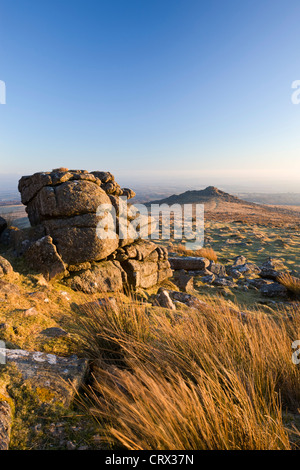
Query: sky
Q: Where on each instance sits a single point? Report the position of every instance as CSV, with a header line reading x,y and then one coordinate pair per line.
x,y
152,90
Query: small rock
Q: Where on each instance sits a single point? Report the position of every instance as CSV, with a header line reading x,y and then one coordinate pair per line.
x,y
189,263
274,290
208,279
53,332
224,282
272,268
239,261
31,312
217,268
185,282
163,299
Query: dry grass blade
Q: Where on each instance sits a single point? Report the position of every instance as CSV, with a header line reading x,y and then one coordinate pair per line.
x,y
203,379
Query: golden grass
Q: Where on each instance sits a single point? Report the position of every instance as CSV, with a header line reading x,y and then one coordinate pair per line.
x,y
290,282
209,379
208,253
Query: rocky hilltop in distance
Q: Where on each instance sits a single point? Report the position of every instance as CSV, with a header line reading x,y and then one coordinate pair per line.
x,y
201,196
223,207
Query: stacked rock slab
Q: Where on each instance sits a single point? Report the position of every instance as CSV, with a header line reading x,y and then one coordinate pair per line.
x,y
62,209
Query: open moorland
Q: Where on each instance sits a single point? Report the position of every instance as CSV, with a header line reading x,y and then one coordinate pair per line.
x,y
124,352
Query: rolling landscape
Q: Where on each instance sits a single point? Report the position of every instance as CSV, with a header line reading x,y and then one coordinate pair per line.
x,y
245,279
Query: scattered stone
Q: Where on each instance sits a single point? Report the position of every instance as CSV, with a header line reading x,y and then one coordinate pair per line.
x,y
146,264
217,268
31,312
274,289
249,268
163,299
185,282
187,299
272,268
239,261
107,302
208,279
189,263
65,295
234,272
224,282
257,283
53,332
39,297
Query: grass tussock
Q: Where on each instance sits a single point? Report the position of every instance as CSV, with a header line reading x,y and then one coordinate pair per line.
x,y
291,283
208,253
207,379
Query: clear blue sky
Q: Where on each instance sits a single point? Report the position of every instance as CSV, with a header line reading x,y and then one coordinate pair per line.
x,y
173,89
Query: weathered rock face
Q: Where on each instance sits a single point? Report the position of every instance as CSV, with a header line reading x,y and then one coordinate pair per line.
x,y
65,204
43,253
55,379
62,207
145,263
107,276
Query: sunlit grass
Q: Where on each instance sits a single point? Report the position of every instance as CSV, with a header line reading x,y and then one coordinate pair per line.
x,y
199,379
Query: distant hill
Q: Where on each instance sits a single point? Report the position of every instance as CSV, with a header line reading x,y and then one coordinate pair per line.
x,y
202,196
224,207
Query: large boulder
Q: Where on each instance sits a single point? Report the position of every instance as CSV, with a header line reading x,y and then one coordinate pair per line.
x,y
88,228
77,240
65,202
